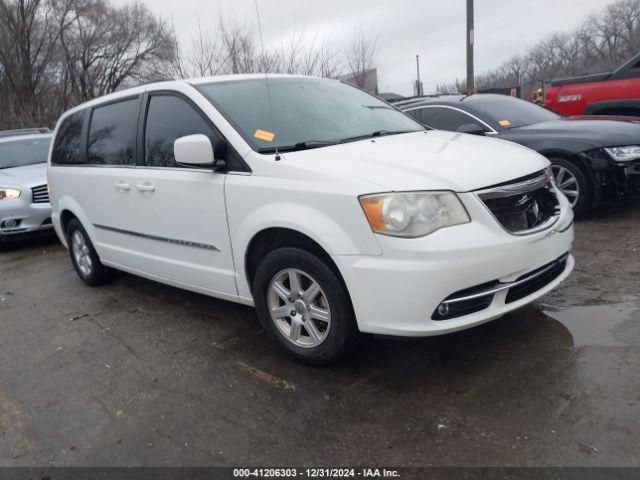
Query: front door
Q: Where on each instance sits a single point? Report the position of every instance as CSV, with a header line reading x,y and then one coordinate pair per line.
x,y
184,231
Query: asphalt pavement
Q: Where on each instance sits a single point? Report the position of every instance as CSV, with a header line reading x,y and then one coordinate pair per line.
x,y
137,373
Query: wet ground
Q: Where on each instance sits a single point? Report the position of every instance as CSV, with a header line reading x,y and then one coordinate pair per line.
x,y
136,373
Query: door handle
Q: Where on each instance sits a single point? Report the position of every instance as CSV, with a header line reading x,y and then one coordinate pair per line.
x,y
146,187
123,186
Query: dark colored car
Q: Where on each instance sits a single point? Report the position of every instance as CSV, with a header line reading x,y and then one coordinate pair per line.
x,y
592,160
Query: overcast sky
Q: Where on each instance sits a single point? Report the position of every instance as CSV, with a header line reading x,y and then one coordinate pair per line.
x,y
435,29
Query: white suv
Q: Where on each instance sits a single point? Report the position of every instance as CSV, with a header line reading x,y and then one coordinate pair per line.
x,y
24,195
329,210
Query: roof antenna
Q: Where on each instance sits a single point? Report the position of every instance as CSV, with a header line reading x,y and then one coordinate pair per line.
x,y
266,77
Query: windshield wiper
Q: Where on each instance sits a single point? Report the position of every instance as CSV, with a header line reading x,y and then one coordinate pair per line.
x,y
378,107
306,145
377,133
309,144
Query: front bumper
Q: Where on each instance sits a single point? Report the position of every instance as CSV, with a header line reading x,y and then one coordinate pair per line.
x,y
29,218
398,292
611,179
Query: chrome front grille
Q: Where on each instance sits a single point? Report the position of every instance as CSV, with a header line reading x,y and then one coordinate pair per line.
x,y
40,194
526,205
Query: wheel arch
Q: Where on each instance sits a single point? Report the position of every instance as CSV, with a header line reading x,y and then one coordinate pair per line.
x,y
576,159
594,195
269,239
66,216
624,107
68,208
302,224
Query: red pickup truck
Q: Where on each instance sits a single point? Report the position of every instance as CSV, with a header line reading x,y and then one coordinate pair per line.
x,y
613,93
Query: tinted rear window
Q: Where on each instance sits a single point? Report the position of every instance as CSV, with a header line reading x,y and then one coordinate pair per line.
x,y
19,153
66,150
112,133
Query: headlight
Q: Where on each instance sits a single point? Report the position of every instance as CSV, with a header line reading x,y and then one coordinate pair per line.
x,y
413,214
624,154
9,193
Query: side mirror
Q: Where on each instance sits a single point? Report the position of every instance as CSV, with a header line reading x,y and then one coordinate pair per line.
x,y
194,151
471,128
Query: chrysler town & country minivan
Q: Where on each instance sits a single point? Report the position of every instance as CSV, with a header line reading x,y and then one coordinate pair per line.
x,y
328,209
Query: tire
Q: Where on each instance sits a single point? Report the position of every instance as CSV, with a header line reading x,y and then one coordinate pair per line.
x,y
313,339
572,181
84,257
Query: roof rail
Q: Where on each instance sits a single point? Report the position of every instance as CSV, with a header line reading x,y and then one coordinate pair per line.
x,y
24,131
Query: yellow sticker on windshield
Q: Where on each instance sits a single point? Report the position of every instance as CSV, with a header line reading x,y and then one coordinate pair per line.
x,y
264,135
504,123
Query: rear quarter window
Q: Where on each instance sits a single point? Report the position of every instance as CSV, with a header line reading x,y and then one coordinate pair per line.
x,y
66,148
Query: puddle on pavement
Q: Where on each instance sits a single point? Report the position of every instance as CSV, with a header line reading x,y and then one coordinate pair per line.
x,y
594,324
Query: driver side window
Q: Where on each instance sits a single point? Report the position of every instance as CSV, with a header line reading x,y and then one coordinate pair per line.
x,y
169,118
448,119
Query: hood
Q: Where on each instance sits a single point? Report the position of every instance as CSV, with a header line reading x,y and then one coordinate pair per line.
x,y
27,176
432,160
575,135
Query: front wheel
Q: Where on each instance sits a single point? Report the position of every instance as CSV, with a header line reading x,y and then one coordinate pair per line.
x,y
574,184
304,305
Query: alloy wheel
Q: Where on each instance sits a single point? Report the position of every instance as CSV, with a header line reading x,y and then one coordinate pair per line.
x,y
567,183
81,253
299,308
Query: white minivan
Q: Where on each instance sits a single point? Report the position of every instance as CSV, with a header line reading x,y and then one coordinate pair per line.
x,y
329,210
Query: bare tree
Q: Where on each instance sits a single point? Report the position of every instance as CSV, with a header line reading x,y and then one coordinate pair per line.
x,y
109,47
602,42
57,53
206,55
307,55
231,48
203,57
28,41
360,56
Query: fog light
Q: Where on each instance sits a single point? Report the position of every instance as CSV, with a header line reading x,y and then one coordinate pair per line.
x,y
10,224
443,309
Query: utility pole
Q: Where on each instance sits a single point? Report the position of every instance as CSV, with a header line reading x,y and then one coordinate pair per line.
x,y
418,87
470,42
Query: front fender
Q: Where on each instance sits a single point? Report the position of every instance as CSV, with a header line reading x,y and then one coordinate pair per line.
x,y
338,230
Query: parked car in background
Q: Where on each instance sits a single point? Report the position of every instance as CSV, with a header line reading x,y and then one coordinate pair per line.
x,y
592,160
329,210
612,93
24,195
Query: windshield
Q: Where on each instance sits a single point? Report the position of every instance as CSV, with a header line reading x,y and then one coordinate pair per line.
x,y
508,112
18,153
306,112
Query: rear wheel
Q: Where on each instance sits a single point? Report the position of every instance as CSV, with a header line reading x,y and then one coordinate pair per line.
x,y
84,258
304,305
574,184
